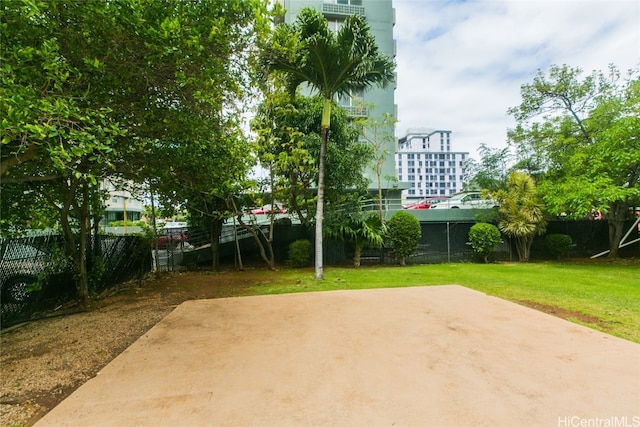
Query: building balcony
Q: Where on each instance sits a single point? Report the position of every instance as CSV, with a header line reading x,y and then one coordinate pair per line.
x,y
356,111
333,10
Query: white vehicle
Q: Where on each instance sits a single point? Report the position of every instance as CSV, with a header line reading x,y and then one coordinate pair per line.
x,y
470,200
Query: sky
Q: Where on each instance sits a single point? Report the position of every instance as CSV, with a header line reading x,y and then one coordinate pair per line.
x,y
461,64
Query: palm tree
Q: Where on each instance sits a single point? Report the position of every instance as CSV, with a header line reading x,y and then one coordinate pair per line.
x,y
361,232
521,212
332,64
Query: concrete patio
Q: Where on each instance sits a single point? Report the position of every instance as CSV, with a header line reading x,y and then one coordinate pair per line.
x,y
424,356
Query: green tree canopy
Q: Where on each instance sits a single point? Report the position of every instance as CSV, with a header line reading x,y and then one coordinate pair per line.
x,y
289,144
130,88
583,135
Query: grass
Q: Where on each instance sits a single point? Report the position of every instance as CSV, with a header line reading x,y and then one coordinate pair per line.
x,y
602,296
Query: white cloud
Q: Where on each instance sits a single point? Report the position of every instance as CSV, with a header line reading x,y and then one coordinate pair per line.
x,y
461,63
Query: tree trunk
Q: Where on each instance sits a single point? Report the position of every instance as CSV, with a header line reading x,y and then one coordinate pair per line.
x,y
380,196
616,219
237,243
523,246
81,261
216,231
356,256
320,203
269,259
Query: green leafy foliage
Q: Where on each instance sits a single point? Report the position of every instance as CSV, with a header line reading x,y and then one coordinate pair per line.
x,y
301,253
404,233
144,90
580,134
484,238
361,231
492,171
522,214
288,144
558,245
307,51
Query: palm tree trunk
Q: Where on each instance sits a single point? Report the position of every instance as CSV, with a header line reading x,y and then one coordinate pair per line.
x,y
324,134
320,203
357,255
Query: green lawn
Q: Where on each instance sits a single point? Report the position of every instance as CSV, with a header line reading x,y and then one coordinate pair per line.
x,y
605,296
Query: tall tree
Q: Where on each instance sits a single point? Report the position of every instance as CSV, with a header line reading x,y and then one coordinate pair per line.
x,y
92,89
522,214
378,132
583,134
288,144
333,64
492,171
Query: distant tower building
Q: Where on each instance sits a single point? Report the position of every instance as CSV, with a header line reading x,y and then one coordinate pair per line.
x,y
427,164
380,15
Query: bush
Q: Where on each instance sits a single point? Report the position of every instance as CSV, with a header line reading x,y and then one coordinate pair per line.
x,y
483,238
404,232
558,245
300,253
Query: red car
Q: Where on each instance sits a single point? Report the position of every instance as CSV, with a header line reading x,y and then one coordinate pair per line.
x,y
422,204
171,239
276,208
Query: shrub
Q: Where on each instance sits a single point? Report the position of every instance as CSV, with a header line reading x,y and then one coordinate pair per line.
x,y
300,253
483,238
558,244
404,232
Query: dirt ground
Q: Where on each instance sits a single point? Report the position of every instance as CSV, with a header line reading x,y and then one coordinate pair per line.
x,y
44,361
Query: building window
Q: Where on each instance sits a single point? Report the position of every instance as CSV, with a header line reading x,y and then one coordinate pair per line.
x,y
354,98
334,26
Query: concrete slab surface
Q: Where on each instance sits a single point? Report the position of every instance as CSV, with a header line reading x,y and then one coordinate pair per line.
x,y
425,356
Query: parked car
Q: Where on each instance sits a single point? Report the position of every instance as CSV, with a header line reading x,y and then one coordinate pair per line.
x,y
275,208
29,274
467,200
172,237
422,204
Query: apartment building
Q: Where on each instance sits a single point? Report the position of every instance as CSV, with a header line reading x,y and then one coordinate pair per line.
x,y
428,166
375,102
120,204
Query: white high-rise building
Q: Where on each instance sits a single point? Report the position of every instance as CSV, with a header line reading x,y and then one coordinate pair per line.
x,y
427,165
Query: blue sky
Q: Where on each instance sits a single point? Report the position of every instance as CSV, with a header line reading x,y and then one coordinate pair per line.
x,y
460,64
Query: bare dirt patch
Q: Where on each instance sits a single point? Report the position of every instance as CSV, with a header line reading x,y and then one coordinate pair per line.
x,y
566,314
44,361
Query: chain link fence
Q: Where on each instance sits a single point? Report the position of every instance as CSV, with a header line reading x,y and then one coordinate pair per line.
x,y
35,275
